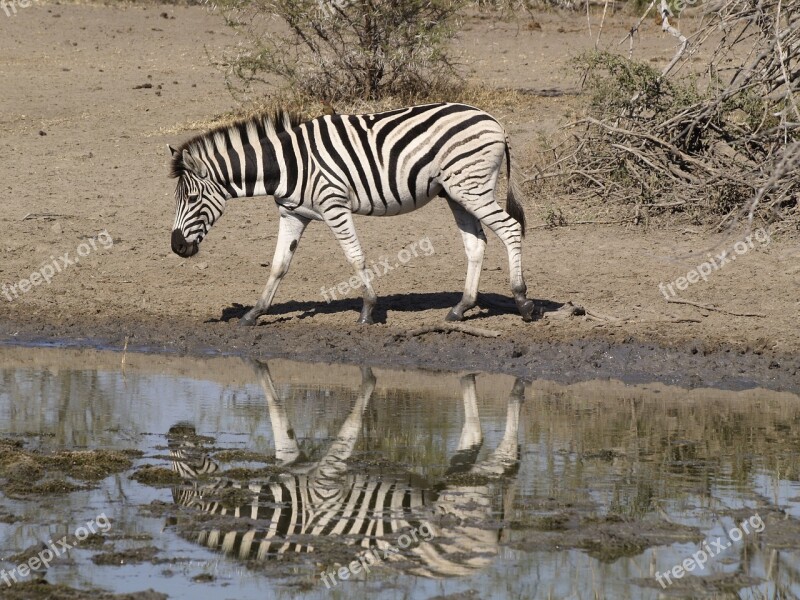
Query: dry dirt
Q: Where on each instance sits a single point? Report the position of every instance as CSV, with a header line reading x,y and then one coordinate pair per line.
x,y
83,150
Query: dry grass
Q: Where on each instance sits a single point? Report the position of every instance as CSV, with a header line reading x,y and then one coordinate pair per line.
x,y
481,96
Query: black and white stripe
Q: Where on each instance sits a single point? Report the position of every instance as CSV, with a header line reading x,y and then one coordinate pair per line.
x,y
292,510
189,458
332,167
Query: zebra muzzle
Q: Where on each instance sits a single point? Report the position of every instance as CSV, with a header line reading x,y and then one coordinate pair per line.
x,y
181,247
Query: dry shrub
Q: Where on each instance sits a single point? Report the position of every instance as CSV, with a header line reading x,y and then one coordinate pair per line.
x,y
342,50
720,144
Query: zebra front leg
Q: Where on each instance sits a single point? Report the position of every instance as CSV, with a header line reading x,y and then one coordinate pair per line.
x,y
474,245
334,463
287,451
340,219
290,230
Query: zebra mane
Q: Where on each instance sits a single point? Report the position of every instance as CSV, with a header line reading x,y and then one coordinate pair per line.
x,y
263,123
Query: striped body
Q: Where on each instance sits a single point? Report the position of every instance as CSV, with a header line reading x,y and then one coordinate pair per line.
x,y
294,508
332,167
381,164
312,504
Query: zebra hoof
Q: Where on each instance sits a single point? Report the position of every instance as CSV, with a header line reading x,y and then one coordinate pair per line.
x,y
528,311
365,320
248,320
453,316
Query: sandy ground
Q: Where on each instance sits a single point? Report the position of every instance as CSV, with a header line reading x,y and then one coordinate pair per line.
x,y
83,151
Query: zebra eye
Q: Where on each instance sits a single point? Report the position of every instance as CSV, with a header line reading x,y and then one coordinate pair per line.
x,y
193,198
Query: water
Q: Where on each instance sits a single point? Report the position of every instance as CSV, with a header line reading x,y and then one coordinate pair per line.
x,y
578,491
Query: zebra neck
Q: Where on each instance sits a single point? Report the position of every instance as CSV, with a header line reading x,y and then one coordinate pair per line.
x,y
260,174
269,173
250,170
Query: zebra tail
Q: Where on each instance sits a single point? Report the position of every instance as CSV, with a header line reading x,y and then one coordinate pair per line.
x,y
513,206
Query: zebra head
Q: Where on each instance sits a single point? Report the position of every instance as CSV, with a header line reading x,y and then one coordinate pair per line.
x,y
199,202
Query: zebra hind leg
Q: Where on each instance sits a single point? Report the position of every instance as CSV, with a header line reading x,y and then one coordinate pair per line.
x,y
505,458
509,230
474,245
471,440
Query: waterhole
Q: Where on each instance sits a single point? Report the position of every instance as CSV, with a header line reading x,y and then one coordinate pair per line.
x,y
226,478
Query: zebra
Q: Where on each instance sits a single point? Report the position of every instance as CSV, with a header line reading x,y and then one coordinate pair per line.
x,y
305,502
332,167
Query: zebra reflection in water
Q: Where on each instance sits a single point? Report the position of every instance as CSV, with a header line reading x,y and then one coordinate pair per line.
x,y
310,505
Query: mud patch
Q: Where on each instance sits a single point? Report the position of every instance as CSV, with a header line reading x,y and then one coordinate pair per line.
x,y
41,590
156,476
606,539
33,472
131,556
226,456
695,586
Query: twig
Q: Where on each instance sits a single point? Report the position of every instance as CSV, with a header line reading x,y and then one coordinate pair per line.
x,y
712,307
602,22
588,20
674,320
571,223
459,327
654,139
548,175
786,80
565,311
628,220
605,318
31,216
124,354
635,29
665,204
666,13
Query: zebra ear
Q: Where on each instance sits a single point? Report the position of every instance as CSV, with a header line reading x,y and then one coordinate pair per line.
x,y
194,165
174,153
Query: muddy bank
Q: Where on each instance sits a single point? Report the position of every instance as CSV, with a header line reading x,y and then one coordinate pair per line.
x,y
35,590
529,352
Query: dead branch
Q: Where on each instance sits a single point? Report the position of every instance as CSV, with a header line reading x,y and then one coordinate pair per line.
x,y
459,327
44,216
729,145
635,29
672,320
565,311
712,307
683,42
602,22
